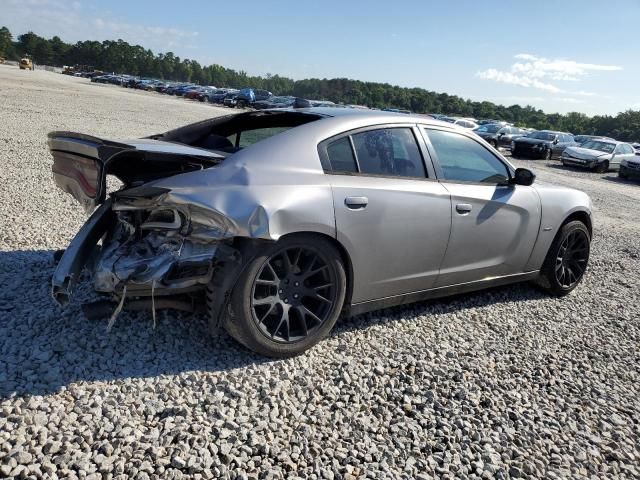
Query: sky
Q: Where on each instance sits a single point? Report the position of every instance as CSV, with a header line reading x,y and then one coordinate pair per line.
x,y
559,56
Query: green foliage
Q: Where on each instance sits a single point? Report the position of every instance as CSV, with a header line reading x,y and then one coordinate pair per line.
x,y
121,57
6,43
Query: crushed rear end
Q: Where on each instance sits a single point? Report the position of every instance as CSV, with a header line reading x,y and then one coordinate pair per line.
x,y
137,244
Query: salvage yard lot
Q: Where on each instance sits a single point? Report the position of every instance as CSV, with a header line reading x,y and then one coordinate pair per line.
x,y
507,381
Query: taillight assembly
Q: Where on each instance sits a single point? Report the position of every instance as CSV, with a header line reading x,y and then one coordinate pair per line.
x,y
85,171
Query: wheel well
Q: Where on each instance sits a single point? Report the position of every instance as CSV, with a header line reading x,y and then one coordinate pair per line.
x,y
346,261
582,217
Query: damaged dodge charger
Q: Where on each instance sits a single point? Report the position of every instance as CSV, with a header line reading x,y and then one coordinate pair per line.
x,y
277,222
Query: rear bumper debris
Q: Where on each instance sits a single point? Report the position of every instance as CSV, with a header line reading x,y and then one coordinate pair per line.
x,y
79,251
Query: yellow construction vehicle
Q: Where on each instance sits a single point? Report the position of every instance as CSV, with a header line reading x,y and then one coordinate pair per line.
x,y
26,63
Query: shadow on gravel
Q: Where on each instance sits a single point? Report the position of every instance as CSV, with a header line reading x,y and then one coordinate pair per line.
x,y
559,166
520,292
44,347
624,181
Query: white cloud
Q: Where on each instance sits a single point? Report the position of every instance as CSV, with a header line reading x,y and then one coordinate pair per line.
x,y
514,79
536,72
72,22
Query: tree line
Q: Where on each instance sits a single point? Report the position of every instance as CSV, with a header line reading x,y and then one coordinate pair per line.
x,y
119,56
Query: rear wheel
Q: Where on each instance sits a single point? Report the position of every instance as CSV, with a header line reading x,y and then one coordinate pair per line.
x,y
289,297
566,260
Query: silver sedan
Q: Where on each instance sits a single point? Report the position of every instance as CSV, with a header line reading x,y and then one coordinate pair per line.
x,y
599,155
278,222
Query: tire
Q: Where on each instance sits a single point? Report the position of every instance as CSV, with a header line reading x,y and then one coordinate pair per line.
x,y
267,288
622,175
571,246
602,167
494,144
547,154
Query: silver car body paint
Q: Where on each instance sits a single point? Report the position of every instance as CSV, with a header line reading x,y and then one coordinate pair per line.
x,y
410,238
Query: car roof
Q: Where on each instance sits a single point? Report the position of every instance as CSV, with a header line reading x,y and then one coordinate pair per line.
x,y
555,132
376,116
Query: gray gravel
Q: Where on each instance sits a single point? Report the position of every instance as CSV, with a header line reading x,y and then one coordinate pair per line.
x,y
505,383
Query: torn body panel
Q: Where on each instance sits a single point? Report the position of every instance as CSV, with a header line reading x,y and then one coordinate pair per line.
x,y
77,254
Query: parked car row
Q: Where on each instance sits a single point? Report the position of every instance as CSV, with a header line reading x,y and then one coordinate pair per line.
x,y
228,97
597,153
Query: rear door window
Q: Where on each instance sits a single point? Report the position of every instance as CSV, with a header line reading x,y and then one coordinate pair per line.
x,y
390,152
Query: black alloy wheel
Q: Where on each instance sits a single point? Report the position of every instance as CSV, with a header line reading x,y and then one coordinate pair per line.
x,y
566,260
572,258
293,294
288,297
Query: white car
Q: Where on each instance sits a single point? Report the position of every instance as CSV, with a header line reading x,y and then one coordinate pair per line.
x,y
464,123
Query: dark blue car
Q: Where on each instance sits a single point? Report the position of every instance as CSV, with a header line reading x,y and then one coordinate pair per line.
x,y
247,96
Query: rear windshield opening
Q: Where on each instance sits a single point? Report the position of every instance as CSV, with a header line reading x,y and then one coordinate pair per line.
x,y
230,134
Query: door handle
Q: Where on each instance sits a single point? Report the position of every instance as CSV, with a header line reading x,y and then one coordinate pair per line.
x,y
464,208
356,203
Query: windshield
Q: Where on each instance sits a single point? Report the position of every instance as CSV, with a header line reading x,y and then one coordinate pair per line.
x,y
542,136
605,147
488,128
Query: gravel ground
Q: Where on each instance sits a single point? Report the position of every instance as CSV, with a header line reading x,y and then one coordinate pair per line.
x,y
504,383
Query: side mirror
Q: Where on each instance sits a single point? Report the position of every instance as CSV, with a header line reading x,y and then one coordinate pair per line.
x,y
523,176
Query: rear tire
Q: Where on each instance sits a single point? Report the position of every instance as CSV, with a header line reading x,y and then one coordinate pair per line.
x,y
288,298
567,259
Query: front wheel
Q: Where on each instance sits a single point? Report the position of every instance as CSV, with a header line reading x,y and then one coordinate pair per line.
x,y
602,167
566,260
288,298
